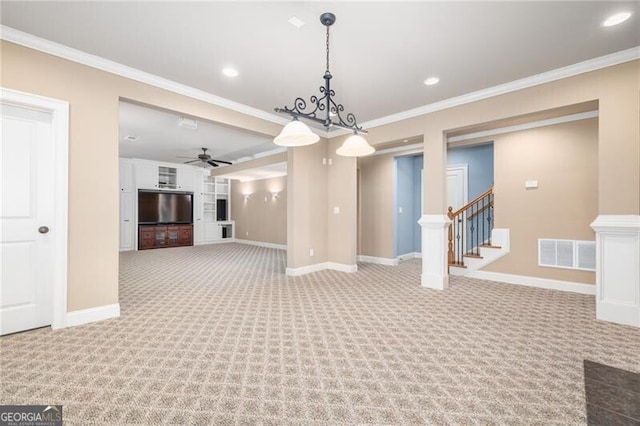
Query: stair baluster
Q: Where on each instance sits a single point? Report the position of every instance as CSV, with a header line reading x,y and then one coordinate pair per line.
x,y
473,216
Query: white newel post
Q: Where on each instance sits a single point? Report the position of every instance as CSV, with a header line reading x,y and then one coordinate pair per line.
x,y
434,250
618,268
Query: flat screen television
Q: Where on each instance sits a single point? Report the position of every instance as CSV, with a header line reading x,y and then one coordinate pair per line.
x,y
164,207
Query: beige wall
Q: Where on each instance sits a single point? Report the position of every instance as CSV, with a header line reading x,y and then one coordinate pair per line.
x,y
376,206
616,90
342,192
93,98
307,205
261,217
564,160
258,162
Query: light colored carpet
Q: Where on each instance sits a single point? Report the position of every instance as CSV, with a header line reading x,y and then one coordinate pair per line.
x,y
219,335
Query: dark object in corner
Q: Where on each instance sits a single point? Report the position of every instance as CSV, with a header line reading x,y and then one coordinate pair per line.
x,y
221,210
612,395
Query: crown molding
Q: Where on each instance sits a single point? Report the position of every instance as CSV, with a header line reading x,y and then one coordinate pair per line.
x,y
28,40
405,149
535,80
525,126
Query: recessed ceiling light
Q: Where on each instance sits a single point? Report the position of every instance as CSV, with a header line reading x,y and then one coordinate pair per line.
x,y
296,22
431,81
616,19
230,72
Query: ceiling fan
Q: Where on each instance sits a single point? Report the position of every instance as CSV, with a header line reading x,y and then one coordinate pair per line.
x,y
206,159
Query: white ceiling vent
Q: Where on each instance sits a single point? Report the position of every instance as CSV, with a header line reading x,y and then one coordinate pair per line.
x,y
569,254
296,22
188,123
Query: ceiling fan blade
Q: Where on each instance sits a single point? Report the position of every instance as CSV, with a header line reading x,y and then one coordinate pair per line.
x,y
182,156
211,163
222,162
192,161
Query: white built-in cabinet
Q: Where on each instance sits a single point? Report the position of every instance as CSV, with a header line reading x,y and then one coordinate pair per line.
x,y
215,229
198,222
160,176
136,174
146,176
186,179
126,176
126,205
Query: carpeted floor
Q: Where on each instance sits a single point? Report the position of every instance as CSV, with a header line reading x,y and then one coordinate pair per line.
x,y
219,335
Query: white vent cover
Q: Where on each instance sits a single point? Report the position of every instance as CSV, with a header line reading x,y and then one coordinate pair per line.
x,y
568,254
188,123
586,255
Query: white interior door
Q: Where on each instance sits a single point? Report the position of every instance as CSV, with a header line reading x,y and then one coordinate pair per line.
x,y
26,213
457,183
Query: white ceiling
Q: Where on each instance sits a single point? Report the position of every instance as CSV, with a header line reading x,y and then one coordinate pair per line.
x,y
381,52
160,138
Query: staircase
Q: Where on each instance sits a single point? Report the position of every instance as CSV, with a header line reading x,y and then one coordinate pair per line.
x,y
473,242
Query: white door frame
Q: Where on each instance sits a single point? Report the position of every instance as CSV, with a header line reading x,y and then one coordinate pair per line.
x,y
60,126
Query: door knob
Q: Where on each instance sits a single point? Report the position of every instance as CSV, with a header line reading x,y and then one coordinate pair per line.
x,y
43,229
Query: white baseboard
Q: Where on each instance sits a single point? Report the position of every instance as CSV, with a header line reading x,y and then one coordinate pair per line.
x,y
294,272
378,260
389,262
220,241
99,313
342,267
408,256
534,282
261,244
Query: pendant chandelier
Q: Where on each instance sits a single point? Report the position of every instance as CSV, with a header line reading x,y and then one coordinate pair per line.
x,y
324,110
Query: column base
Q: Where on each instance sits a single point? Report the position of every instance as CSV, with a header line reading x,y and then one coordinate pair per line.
x,y
618,268
434,253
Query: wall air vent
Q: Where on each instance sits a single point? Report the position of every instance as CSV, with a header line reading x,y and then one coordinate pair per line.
x,y
568,254
586,255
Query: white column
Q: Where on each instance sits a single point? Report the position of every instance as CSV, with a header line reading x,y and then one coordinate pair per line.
x,y
618,268
434,250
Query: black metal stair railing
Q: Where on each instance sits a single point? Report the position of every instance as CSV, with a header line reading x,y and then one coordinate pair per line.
x,y
470,228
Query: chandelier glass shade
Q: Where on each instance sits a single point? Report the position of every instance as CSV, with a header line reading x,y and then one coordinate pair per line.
x,y
323,110
296,133
355,146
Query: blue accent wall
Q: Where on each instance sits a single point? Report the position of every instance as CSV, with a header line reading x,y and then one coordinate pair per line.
x,y
479,160
418,163
408,235
404,236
